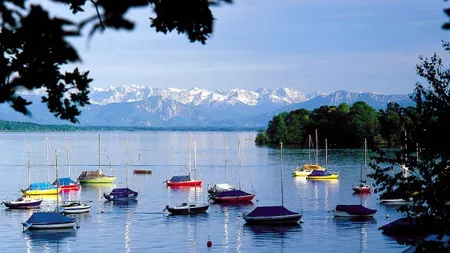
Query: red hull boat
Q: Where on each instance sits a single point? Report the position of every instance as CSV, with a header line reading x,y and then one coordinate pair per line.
x,y
234,199
191,183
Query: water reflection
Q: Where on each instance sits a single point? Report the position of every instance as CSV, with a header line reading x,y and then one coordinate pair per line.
x,y
127,231
49,240
264,231
98,189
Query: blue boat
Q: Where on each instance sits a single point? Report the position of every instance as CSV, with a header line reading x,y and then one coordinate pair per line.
x,y
41,188
67,184
120,194
273,215
358,211
49,220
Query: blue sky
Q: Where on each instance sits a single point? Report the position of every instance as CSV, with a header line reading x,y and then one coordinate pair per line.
x,y
326,45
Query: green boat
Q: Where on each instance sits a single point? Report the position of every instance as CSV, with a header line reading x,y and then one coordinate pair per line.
x,y
96,176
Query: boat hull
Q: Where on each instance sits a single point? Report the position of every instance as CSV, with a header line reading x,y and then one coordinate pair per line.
x,y
362,190
68,188
345,214
273,220
29,205
100,180
32,226
114,198
40,192
187,210
394,201
304,173
77,210
331,177
234,199
192,183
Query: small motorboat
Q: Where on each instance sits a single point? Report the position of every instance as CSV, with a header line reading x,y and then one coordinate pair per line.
x,y
395,197
357,211
140,172
272,215
23,203
49,220
121,194
75,207
67,184
185,208
323,175
225,193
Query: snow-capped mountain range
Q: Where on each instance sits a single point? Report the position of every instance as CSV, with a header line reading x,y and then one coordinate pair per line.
x,y
195,96
140,105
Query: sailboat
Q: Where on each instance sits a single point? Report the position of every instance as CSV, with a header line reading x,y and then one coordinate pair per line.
x,y
273,215
122,194
362,186
41,188
190,208
184,180
225,193
307,169
66,184
323,174
97,176
50,220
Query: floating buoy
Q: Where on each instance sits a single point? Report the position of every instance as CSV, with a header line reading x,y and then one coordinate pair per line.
x,y
209,244
102,211
387,216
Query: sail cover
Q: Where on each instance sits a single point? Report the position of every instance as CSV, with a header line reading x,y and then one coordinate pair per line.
x,y
180,178
355,209
49,217
64,181
41,186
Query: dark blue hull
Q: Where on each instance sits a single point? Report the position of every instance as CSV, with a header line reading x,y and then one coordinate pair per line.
x,y
121,194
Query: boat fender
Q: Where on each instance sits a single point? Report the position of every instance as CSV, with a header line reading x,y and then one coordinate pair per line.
x,y
209,243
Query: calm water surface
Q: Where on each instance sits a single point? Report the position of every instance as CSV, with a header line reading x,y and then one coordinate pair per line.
x,y
143,227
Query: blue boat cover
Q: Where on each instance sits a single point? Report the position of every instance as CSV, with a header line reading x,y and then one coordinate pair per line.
x,y
320,173
64,181
122,192
49,217
41,186
270,211
232,193
355,209
180,178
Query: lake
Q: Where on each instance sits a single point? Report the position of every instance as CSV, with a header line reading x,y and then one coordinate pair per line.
x,y
143,227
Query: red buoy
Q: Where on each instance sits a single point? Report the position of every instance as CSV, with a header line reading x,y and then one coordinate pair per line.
x,y
209,244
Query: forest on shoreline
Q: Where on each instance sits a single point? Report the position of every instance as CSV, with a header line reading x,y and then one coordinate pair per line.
x,y
343,126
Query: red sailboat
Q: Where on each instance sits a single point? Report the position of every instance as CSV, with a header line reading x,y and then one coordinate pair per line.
x,y
184,180
362,186
66,184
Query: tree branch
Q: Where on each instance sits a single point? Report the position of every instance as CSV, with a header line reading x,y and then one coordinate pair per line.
x,y
98,14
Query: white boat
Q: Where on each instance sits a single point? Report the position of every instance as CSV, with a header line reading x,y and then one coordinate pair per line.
x,y
75,207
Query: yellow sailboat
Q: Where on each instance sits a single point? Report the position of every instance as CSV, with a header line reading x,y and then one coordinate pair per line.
x,y
307,169
41,188
323,174
96,176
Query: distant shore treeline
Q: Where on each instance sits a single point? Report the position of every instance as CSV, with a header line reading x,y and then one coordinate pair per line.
x,y
344,126
11,126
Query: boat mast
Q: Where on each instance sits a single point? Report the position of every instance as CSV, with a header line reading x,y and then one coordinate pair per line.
x,y
226,159
317,148
309,148
326,154
281,163
417,152
128,157
365,159
99,153
68,156
190,155
46,159
195,170
57,181
29,162
239,163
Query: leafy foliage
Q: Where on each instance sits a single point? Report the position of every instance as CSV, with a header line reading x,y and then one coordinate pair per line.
x,y
34,45
428,178
344,126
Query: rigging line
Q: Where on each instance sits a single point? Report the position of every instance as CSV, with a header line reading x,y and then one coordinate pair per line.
x,y
248,171
109,160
